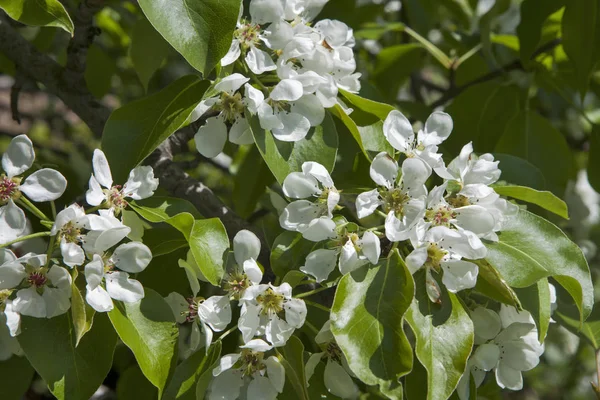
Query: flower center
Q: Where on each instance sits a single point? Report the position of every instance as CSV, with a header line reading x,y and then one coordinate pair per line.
x,y
231,106
4,295
9,188
235,284
459,201
271,302
434,256
115,198
248,35
327,45
192,312
279,105
440,216
251,361
70,232
334,352
37,278
395,200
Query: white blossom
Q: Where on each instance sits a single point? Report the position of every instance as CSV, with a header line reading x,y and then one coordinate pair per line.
x,y
43,185
248,375
311,218
68,226
105,230
141,184
270,311
109,279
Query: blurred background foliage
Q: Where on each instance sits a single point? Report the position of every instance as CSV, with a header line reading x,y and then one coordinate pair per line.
x,y
518,76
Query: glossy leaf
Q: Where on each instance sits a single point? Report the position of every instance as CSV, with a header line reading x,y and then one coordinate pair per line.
x,y
532,137
81,313
367,315
188,375
581,38
319,145
491,284
536,299
71,372
148,328
518,171
148,50
444,339
133,131
289,252
201,30
533,15
531,248
380,110
38,13
15,377
339,113
250,181
544,199
293,362
208,242
568,316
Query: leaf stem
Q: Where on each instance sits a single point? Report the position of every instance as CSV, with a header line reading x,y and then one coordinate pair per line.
x,y
311,292
23,238
227,332
29,205
317,305
50,249
433,49
53,206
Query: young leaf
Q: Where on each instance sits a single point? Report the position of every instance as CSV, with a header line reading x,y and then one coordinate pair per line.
x,y
133,131
367,315
38,13
320,145
338,112
148,328
81,313
293,362
546,200
208,242
15,377
201,30
444,342
188,375
491,284
581,38
71,372
148,50
380,110
531,248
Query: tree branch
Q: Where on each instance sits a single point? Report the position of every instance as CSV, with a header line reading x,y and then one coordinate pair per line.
x,y
514,65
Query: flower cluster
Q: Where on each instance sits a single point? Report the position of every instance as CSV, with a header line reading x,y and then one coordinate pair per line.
x,y
289,72
96,240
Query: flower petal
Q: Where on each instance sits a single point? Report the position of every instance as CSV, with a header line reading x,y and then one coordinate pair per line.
x,y
320,263
99,299
211,137
120,287
437,128
246,245
72,253
141,183
29,302
44,185
508,378
318,229
216,312
240,132
295,127
102,169
231,83
299,185
19,156
398,131
287,90
232,54
275,373
367,203
384,170
486,356
94,195
252,271
12,222
260,388
132,257
338,382
459,275
259,61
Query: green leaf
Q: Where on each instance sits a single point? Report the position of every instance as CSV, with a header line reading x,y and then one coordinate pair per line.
x,y
38,13
339,113
189,374
319,145
544,199
289,252
148,50
518,171
480,114
99,70
581,38
71,373
536,299
380,110
164,240
164,275
293,362
567,315
444,337
593,167
531,248
148,328
532,137
81,313
250,181
208,242
132,384
374,140
164,209
394,64
533,15
133,131
485,25
15,377
201,30
367,315
491,284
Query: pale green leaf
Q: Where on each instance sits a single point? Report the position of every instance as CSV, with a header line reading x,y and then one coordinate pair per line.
x,y
38,13
546,200
536,299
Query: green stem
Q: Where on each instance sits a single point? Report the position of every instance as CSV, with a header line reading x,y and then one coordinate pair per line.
x,y
317,305
227,332
93,209
23,238
376,228
430,47
311,292
50,249
466,56
29,205
53,206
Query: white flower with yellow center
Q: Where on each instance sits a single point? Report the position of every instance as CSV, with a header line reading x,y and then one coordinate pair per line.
x,y
270,311
141,184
